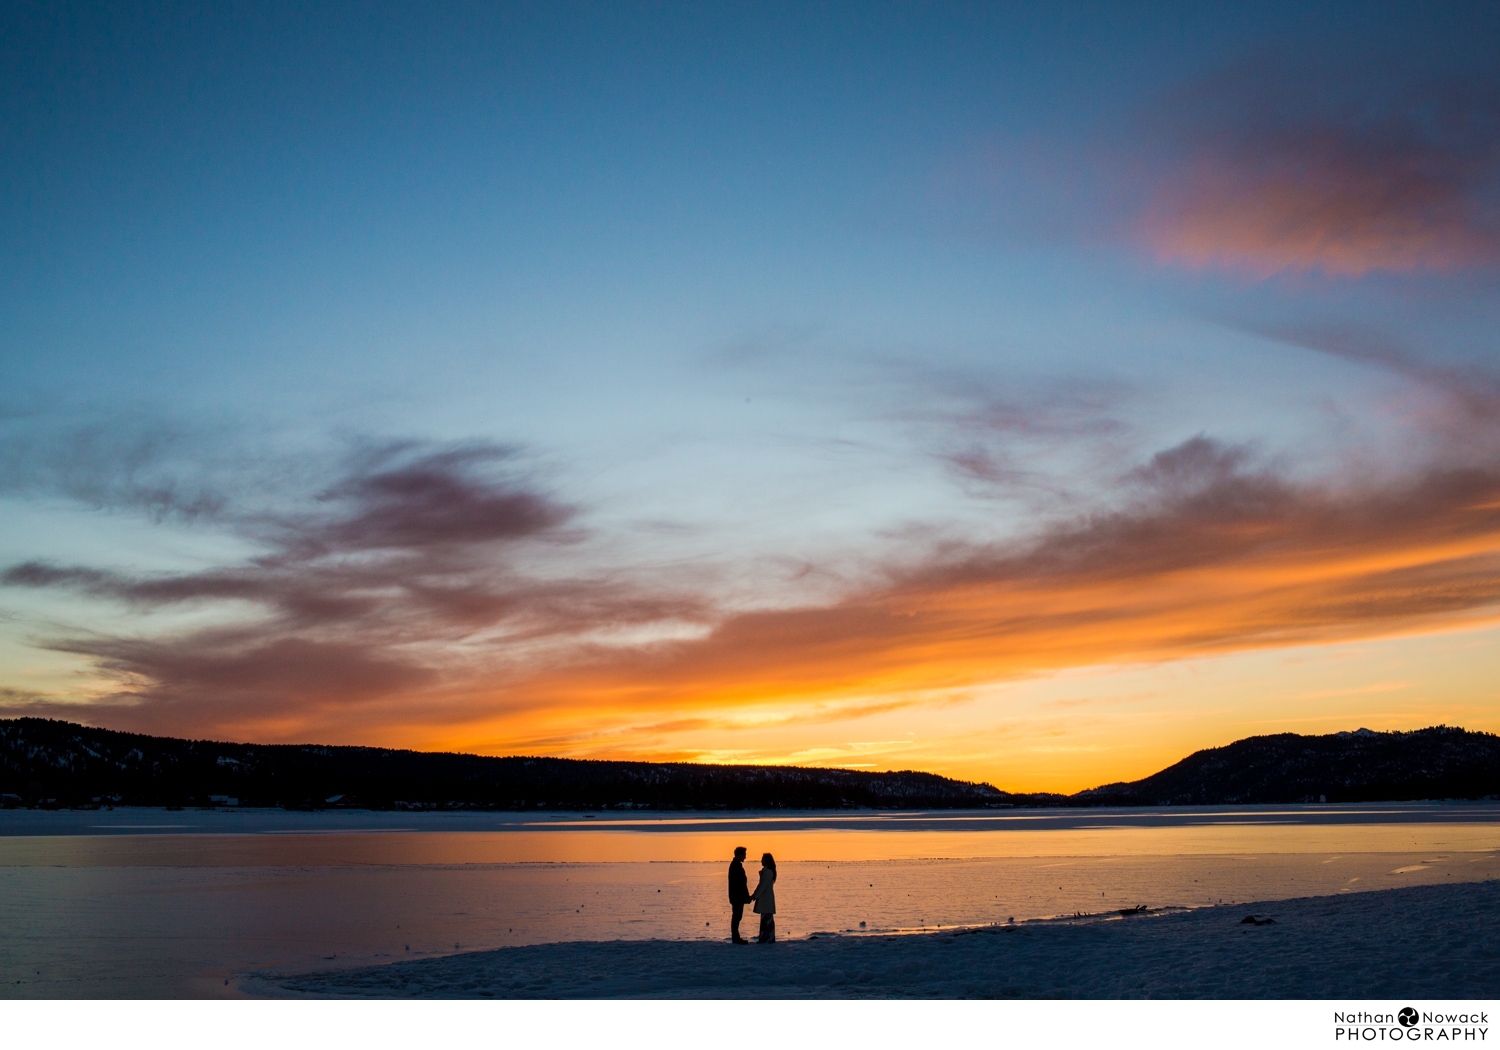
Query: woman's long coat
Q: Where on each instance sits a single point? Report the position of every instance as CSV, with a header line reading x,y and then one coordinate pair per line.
x,y
765,893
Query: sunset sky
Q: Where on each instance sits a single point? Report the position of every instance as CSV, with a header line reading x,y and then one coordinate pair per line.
x,y
1025,394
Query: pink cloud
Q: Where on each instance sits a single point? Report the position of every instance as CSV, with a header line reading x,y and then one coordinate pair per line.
x,y
1267,177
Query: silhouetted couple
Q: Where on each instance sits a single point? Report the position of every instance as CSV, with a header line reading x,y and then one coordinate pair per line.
x,y
764,897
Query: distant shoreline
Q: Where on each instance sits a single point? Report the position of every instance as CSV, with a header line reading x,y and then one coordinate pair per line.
x,y
1426,941
50,764
269,820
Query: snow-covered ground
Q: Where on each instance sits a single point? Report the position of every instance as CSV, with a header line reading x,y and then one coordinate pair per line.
x,y
1426,941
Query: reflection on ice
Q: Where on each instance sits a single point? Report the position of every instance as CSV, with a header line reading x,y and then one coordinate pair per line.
x,y
140,910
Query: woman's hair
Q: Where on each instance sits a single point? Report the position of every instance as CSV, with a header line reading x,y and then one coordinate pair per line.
x,y
768,861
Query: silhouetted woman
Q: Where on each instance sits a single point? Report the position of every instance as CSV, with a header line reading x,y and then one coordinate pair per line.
x,y
765,899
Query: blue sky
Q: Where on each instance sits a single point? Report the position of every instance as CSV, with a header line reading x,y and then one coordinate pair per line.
x,y
765,310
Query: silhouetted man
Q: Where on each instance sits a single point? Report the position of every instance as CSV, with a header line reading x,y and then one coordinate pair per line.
x,y
739,894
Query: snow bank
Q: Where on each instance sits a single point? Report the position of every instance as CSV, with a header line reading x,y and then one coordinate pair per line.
x,y
1425,942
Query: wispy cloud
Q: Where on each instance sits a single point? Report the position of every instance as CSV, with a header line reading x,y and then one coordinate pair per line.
x,y
402,604
1454,407
1213,556
126,461
403,574
1274,168
27,697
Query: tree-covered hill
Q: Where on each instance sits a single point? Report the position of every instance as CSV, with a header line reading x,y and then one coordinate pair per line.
x,y
1362,766
51,762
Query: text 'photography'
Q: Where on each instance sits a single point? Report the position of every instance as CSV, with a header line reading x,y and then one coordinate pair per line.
x,y
706,501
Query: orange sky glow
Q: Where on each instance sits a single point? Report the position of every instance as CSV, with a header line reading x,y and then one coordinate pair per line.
x,y
1037,425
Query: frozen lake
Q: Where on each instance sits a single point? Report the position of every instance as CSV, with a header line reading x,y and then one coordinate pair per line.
x,y
138,902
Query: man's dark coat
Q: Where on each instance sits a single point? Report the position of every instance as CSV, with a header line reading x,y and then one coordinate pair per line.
x,y
739,886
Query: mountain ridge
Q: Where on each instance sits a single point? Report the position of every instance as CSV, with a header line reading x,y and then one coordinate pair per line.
x,y
1359,766
44,762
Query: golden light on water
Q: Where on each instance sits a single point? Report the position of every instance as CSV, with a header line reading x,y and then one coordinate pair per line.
x,y
621,844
